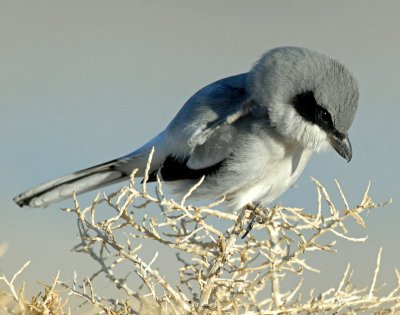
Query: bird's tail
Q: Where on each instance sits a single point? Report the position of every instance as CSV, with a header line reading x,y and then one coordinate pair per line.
x,y
94,177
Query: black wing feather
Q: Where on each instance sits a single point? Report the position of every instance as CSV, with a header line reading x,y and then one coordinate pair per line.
x,y
176,169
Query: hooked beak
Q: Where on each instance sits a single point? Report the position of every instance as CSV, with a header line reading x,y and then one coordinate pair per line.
x,y
342,146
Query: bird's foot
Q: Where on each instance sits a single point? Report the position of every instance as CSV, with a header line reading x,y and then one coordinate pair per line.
x,y
259,214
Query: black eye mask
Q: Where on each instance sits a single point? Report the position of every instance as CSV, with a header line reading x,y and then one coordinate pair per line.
x,y
308,108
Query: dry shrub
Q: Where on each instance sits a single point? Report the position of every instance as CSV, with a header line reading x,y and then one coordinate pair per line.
x,y
220,273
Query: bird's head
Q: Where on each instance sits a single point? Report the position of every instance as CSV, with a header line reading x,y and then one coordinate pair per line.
x,y
309,98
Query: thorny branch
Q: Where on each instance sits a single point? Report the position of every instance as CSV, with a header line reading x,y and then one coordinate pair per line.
x,y
219,272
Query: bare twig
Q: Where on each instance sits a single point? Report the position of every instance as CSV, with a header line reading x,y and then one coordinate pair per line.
x,y
219,272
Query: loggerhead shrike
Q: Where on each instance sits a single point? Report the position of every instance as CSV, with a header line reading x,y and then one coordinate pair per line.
x,y
251,134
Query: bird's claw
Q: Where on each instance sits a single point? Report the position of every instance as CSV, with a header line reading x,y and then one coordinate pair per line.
x,y
256,217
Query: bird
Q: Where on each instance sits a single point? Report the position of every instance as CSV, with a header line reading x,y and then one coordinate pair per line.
x,y
249,135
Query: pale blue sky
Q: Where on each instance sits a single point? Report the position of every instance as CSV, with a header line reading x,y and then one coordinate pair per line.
x,y
85,82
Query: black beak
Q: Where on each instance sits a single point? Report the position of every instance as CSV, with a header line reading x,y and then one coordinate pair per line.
x,y
342,146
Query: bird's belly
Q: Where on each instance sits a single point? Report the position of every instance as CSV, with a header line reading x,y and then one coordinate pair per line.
x,y
270,174
259,170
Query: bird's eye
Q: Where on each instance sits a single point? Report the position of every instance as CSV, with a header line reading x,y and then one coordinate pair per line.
x,y
308,108
323,117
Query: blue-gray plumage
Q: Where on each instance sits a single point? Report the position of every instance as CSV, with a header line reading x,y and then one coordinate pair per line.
x,y
251,135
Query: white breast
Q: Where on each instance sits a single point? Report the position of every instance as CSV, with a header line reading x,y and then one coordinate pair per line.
x,y
263,169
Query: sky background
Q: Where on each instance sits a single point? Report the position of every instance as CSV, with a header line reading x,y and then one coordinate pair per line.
x,y
85,82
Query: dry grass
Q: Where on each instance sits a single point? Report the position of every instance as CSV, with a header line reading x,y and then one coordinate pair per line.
x,y
220,273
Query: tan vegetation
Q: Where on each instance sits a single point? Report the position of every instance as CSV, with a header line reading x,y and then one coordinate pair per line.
x,y
220,273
